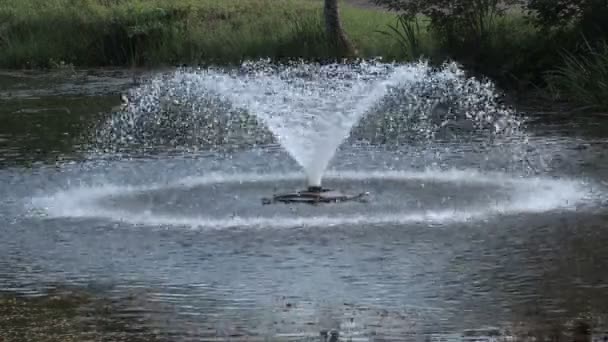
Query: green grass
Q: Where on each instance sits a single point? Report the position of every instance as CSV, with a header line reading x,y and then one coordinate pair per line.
x,y
583,78
94,33
155,32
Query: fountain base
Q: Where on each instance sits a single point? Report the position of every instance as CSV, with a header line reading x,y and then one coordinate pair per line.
x,y
315,195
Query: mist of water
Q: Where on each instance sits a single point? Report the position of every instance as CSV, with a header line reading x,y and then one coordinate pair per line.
x,y
309,109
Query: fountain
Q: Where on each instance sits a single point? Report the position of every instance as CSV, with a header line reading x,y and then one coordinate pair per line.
x,y
309,109
179,204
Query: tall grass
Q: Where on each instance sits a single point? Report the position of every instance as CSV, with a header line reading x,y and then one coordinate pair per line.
x,y
583,77
86,33
151,32
408,32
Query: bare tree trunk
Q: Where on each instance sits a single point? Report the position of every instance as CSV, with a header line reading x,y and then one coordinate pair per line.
x,y
337,37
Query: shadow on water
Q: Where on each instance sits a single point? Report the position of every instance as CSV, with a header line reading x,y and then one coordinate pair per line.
x,y
46,129
70,314
44,116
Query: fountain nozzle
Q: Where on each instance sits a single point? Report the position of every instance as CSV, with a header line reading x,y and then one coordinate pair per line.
x,y
315,188
315,194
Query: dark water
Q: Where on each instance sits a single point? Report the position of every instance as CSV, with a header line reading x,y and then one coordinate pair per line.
x,y
458,241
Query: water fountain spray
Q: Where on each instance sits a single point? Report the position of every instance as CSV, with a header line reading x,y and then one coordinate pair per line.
x,y
309,109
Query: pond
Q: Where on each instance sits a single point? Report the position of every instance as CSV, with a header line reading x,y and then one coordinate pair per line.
x,y
165,237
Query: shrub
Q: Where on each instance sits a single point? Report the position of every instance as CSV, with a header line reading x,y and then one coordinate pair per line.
x,y
458,22
407,32
583,78
587,17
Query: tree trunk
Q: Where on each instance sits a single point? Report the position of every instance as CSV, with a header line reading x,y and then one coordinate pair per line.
x,y
337,37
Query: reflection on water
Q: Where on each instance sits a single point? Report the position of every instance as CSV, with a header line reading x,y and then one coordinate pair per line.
x,y
533,276
79,315
70,315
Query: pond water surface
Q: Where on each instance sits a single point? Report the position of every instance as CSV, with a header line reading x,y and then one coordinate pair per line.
x,y
455,243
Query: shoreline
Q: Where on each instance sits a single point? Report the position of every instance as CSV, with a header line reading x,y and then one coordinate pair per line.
x,y
161,35
533,103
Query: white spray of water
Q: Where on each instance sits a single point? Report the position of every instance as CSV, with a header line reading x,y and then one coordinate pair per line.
x,y
310,108
310,116
529,195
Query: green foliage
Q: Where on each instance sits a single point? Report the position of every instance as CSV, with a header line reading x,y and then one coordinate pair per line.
x,y
566,21
587,16
407,32
309,37
154,32
513,52
456,21
362,27
583,78
490,37
513,45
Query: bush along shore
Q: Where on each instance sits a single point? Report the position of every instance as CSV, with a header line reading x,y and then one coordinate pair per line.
x,y
553,48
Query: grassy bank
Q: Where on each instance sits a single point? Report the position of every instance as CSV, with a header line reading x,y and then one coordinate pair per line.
x,y
92,33
154,32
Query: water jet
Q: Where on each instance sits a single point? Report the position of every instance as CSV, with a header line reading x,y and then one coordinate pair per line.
x,y
308,109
